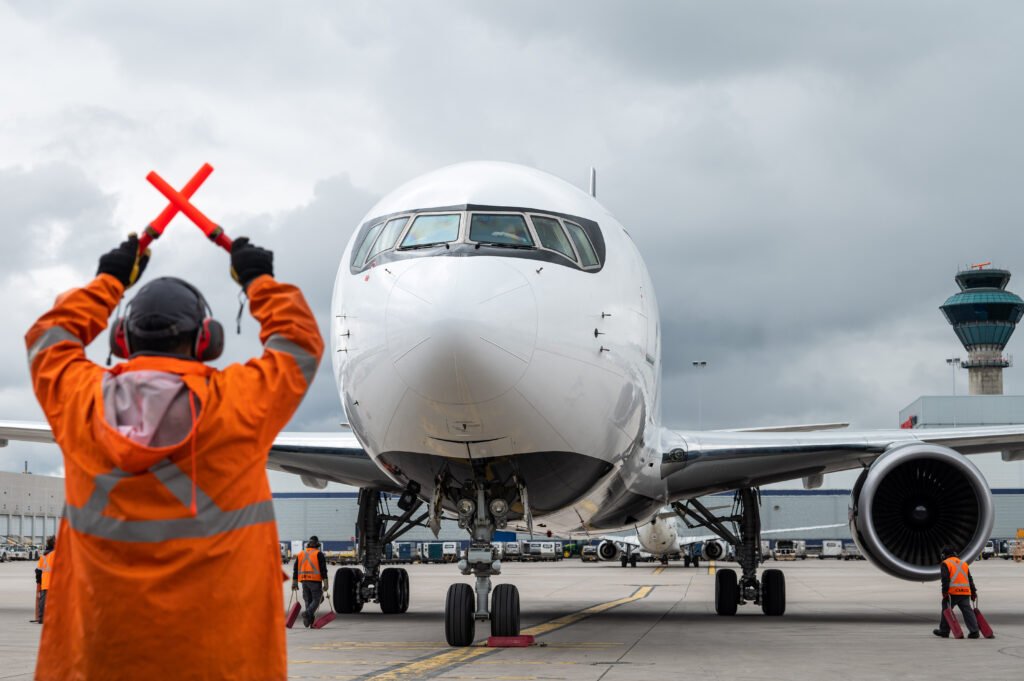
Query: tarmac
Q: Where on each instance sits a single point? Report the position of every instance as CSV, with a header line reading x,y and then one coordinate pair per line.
x,y
844,620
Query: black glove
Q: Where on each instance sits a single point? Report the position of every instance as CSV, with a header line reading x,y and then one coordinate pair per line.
x,y
125,262
249,262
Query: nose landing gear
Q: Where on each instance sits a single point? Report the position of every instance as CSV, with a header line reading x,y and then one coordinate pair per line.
x,y
731,591
481,511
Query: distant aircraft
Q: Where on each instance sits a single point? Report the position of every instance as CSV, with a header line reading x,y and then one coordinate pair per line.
x,y
497,349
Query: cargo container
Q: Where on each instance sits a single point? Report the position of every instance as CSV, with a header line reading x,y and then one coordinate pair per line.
x,y
512,551
831,548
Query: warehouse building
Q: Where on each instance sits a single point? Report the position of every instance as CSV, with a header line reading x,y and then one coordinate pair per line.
x,y
30,507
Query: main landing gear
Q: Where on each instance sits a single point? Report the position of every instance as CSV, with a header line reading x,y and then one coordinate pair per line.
x,y
731,591
482,508
389,587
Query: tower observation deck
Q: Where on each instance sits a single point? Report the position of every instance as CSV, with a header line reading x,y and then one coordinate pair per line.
x,y
983,315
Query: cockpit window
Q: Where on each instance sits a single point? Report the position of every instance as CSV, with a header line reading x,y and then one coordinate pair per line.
x,y
388,236
364,246
430,230
586,249
500,230
550,233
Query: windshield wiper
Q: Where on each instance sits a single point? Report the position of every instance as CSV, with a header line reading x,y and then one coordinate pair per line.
x,y
496,244
419,246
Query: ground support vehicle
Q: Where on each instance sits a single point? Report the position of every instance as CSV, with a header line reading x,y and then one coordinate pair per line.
x,y
831,548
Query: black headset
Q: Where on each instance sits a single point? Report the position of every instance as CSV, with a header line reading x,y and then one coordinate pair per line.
x,y
209,342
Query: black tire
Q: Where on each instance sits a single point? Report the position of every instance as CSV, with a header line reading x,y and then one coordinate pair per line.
x,y
773,593
403,605
459,623
346,591
505,610
392,591
726,592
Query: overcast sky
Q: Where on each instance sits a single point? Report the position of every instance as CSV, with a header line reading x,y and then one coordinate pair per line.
x,y
803,179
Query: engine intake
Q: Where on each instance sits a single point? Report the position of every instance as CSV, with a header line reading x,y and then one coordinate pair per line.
x,y
607,550
915,499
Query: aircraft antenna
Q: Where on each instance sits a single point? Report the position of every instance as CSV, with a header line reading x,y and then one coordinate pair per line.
x,y
593,181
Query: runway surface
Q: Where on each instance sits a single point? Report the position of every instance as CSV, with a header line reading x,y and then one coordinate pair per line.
x,y
601,621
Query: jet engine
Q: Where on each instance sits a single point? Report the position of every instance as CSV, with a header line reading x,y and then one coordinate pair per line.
x,y
714,549
607,550
913,500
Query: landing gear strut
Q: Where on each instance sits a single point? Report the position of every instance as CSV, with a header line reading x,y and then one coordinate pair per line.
x,y
375,529
482,509
745,536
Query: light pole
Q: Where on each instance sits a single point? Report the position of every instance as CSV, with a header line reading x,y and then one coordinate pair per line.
x,y
953,363
700,393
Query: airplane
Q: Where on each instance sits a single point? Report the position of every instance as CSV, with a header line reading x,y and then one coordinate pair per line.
x,y
497,349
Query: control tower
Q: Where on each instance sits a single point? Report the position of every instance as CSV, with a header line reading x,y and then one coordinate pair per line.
x,y
984,315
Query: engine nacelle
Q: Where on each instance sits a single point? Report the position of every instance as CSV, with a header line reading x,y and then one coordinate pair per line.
x,y
714,549
608,550
915,499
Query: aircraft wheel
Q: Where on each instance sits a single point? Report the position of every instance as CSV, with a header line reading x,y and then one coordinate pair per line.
x,y
505,610
403,604
773,592
393,591
459,624
346,590
726,592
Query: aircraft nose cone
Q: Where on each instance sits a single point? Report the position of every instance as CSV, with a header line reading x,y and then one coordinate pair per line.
x,y
461,330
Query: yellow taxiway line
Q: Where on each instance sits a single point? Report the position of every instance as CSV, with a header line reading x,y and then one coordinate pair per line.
x,y
432,665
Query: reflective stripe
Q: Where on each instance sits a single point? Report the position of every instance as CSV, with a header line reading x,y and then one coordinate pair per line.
x,y
307,362
50,337
209,520
45,567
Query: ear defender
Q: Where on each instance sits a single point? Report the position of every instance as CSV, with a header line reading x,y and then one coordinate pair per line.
x,y
209,340
119,339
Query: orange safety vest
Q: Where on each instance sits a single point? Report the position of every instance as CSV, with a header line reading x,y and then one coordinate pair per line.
x,y
309,566
153,537
959,583
45,565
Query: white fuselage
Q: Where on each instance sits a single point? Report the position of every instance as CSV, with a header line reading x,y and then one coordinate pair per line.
x,y
456,354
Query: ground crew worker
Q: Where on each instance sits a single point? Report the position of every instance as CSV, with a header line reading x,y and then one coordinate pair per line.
x,y
43,570
957,589
311,572
169,526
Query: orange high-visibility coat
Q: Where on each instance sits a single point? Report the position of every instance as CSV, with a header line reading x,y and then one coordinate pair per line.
x,y
45,565
309,566
170,563
959,582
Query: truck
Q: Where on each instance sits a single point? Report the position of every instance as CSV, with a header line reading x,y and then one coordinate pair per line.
x,y
852,552
588,554
831,548
989,551
790,549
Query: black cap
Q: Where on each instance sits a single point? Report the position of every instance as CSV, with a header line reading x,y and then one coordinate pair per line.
x,y
314,541
948,551
164,308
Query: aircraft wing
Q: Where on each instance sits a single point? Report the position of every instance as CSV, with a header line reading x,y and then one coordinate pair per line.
x,y
695,463
318,458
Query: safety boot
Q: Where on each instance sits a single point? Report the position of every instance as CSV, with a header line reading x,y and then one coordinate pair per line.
x,y
937,632
973,634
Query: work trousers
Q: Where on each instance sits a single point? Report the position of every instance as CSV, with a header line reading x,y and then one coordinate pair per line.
x,y
42,604
312,594
966,609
